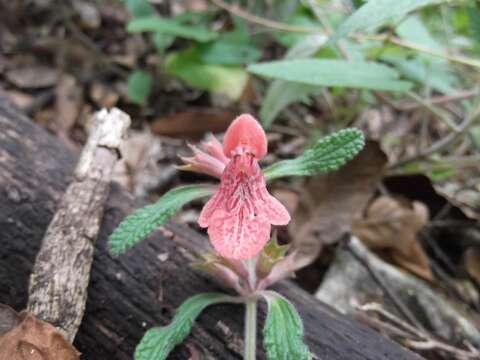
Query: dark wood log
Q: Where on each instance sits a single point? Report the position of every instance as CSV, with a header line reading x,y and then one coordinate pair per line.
x,y
137,290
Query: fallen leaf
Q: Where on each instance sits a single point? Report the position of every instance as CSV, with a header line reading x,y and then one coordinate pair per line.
x,y
8,319
348,284
140,170
330,203
33,339
467,199
20,99
391,225
89,15
193,122
32,76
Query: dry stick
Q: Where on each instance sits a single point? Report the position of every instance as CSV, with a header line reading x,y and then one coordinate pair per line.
x,y
263,21
441,144
437,100
58,284
426,342
401,308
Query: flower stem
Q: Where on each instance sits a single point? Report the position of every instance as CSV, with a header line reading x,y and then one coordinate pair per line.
x,y
252,276
251,328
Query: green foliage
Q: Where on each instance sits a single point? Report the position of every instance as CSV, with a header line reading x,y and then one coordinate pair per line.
x,y
158,342
376,13
140,8
270,255
283,331
188,66
142,222
355,74
231,48
473,17
280,93
328,154
228,52
171,26
139,86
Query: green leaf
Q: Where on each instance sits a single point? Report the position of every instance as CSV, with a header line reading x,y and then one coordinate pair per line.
x,y
158,342
225,52
139,86
327,72
142,222
473,16
328,154
280,93
232,48
140,8
220,79
169,26
436,75
162,40
376,13
283,331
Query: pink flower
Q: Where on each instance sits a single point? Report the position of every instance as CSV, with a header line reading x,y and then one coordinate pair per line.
x,y
240,214
212,161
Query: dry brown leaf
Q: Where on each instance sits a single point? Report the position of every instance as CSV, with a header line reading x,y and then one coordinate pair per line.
x,y
32,76
330,203
20,99
392,225
193,122
33,339
9,318
89,15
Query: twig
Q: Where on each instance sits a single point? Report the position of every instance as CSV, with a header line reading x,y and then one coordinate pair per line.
x,y
409,45
442,143
262,21
401,308
428,106
58,284
437,100
425,341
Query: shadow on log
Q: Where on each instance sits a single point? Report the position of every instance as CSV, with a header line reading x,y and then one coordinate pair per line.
x,y
139,289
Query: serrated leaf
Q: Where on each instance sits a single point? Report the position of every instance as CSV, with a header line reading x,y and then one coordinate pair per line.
x,y
376,13
328,154
142,222
139,86
173,27
328,72
158,342
283,331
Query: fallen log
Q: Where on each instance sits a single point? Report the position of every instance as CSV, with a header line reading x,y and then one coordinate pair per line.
x,y
143,287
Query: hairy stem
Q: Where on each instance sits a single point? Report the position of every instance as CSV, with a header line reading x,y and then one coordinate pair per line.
x,y
250,328
252,276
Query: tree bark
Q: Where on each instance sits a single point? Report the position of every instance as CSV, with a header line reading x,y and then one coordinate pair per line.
x,y
139,289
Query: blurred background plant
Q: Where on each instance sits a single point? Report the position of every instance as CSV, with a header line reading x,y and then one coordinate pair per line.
x,y
405,72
